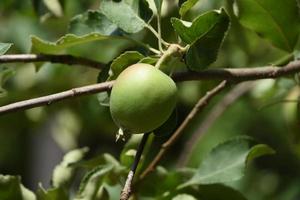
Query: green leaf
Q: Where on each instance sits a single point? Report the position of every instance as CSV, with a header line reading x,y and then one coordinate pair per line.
x,y
5,74
227,161
298,109
277,21
184,197
54,6
219,192
204,50
149,60
125,14
103,159
191,31
128,152
106,169
92,181
51,194
69,40
122,62
63,173
205,35
158,4
11,188
91,22
186,6
103,97
4,47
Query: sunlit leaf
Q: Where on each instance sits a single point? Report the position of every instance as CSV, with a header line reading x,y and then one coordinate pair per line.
x,y
51,194
91,22
41,46
11,188
184,197
107,170
4,47
186,5
55,7
125,15
63,173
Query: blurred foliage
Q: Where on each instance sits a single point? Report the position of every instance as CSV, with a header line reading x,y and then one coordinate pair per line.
x,y
269,113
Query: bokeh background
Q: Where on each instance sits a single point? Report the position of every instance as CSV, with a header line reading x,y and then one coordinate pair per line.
x,y
32,142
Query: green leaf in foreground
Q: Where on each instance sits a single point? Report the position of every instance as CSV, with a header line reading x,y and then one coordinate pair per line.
x,y
205,36
227,161
124,15
63,173
277,21
219,192
122,62
186,6
189,32
11,188
4,47
51,194
91,22
107,170
69,40
184,197
54,6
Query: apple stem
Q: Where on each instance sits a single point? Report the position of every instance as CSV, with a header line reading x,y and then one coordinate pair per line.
x,y
173,50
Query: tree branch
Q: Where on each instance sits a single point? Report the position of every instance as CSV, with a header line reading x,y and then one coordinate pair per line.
x,y
240,74
230,74
47,100
126,192
64,59
197,108
209,120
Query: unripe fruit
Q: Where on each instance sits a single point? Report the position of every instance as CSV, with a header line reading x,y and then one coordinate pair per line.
x,y
142,98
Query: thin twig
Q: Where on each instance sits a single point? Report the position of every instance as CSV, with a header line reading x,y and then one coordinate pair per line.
x,y
47,100
197,108
240,74
126,192
159,30
232,75
64,59
209,120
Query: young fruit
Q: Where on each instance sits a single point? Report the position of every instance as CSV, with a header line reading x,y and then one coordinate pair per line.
x,y
142,98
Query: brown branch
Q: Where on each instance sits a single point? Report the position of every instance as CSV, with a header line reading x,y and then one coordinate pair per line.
x,y
230,74
209,120
47,100
64,59
197,108
240,74
126,192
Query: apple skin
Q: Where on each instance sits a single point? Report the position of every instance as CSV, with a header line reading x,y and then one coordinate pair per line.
x,y
142,98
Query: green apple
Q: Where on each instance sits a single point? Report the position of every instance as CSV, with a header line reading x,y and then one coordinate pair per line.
x,y
142,98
